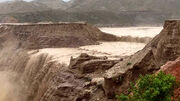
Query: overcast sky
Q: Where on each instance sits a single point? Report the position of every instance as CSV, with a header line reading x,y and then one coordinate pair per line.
x,y
24,0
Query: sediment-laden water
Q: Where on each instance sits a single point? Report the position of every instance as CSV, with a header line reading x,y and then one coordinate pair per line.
x,y
25,76
111,49
133,31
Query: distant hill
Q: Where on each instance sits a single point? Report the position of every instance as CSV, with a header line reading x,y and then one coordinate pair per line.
x,y
118,12
21,7
126,5
93,17
53,4
93,5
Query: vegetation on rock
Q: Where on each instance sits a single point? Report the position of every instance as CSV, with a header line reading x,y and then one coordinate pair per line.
x,y
155,87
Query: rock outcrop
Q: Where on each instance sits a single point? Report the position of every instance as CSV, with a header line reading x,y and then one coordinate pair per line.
x,y
88,64
164,47
50,35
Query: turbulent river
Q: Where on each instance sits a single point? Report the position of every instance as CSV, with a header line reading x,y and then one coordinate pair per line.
x,y
110,49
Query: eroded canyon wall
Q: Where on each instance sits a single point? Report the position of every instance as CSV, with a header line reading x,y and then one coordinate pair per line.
x,y
164,47
50,35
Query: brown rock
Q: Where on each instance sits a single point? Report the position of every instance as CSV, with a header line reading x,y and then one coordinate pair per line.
x,y
75,62
50,35
89,64
164,47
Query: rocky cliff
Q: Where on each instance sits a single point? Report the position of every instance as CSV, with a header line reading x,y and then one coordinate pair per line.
x,y
49,35
164,47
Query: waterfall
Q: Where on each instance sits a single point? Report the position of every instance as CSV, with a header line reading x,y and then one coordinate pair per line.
x,y
25,76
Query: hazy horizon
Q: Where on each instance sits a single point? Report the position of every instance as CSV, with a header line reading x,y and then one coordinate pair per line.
x,y
25,0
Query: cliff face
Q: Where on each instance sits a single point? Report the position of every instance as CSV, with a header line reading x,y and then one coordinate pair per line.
x,y
35,36
164,47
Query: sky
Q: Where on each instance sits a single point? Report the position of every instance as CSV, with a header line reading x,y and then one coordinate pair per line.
x,y
28,0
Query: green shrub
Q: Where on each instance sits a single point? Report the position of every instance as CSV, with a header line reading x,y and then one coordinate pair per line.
x,y
129,63
153,87
122,97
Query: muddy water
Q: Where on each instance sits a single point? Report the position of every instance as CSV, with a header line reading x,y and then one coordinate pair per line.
x,y
116,48
133,31
110,49
63,55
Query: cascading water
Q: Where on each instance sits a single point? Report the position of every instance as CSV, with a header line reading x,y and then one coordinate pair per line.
x,y
20,72
11,88
12,63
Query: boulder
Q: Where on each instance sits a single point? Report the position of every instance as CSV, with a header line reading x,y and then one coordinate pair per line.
x,y
88,64
74,62
162,48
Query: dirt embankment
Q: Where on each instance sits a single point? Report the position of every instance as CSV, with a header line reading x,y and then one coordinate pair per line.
x,y
49,35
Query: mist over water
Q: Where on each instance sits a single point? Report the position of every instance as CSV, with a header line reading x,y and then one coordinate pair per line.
x,y
12,62
10,88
